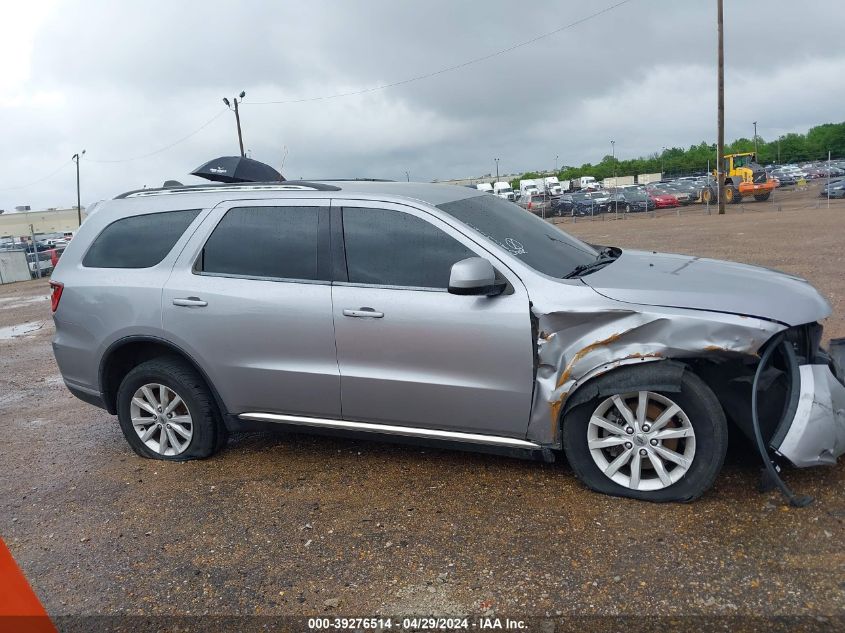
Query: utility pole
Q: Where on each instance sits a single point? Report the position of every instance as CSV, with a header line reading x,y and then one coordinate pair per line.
x,y
75,158
407,176
237,118
497,169
755,141
557,156
662,156
720,141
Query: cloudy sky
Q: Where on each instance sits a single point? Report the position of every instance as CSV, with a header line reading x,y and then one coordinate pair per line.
x,y
125,80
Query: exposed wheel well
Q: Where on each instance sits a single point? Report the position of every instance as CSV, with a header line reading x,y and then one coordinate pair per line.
x,y
127,354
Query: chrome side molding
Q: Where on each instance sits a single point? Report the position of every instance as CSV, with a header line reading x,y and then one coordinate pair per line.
x,y
388,429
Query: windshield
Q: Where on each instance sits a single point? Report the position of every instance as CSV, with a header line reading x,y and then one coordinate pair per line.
x,y
535,242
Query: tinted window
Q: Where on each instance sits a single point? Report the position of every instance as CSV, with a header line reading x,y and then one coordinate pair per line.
x,y
528,238
396,249
278,242
139,241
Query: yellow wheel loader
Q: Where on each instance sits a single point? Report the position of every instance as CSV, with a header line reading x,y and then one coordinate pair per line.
x,y
743,177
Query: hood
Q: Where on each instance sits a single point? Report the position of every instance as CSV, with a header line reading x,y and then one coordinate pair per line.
x,y
682,281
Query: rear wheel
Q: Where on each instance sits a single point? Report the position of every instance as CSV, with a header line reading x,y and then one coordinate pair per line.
x,y
166,412
649,444
708,195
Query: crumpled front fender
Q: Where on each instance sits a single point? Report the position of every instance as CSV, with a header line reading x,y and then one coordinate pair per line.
x,y
575,346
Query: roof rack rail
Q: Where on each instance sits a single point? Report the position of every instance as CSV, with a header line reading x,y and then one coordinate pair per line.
x,y
287,185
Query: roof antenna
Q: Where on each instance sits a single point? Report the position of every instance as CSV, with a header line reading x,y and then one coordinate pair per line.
x,y
284,158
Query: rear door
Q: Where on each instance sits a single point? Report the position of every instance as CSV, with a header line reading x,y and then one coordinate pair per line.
x,y
250,300
409,352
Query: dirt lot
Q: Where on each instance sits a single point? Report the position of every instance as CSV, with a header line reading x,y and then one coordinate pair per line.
x,y
299,525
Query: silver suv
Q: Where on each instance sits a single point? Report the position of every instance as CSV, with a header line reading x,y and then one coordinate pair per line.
x,y
439,314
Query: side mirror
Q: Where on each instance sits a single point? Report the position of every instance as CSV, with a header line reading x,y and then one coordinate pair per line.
x,y
474,276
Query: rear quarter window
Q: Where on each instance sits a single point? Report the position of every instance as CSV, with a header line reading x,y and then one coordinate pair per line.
x,y
139,241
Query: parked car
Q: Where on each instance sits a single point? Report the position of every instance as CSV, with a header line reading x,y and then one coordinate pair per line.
x,y
662,200
632,201
836,189
437,314
785,179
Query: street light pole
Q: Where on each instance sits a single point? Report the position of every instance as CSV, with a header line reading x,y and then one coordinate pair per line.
x,y
755,141
615,188
75,158
497,169
662,157
237,118
557,156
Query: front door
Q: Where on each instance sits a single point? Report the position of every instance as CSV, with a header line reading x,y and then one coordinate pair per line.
x,y
409,352
250,300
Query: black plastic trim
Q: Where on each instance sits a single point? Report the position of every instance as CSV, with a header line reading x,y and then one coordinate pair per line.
x,y
89,398
340,272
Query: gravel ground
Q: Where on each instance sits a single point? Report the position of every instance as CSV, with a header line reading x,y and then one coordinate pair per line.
x,y
301,525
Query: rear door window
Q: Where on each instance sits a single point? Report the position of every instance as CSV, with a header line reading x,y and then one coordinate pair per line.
x,y
139,241
265,242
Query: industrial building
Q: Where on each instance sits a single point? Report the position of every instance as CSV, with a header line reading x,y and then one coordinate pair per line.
x,y
46,221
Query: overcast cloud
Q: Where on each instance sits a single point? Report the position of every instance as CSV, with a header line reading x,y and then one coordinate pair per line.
x,y
124,79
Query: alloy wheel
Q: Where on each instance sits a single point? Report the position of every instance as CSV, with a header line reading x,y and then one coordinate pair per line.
x,y
641,440
161,419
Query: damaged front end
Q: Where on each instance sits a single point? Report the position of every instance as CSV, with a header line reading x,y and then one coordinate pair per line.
x,y
801,396
800,403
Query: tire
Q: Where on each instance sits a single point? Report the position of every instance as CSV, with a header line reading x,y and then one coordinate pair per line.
x,y
732,195
196,414
708,195
762,197
703,414
627,208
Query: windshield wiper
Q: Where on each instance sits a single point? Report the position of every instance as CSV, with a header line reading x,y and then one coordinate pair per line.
x,y
606,256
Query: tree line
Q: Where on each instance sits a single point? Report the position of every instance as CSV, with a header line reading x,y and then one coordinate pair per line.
x,y
790,148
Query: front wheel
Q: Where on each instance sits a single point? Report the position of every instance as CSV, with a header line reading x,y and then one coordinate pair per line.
x,y
649,444
762,197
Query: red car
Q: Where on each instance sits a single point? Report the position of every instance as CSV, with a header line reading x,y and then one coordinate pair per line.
x,y
663,200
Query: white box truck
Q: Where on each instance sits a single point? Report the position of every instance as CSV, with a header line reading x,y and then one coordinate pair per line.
x,y
528,188
584,182
552,185
503,190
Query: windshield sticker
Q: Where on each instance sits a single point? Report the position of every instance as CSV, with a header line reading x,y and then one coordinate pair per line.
x,y
514,246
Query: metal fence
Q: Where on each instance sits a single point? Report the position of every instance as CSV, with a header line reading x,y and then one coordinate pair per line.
x,y
804,196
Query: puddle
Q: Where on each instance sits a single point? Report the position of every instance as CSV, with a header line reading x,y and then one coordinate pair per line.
x,y
21,329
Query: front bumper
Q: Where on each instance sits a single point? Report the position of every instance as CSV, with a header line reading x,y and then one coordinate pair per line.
x,y
816,435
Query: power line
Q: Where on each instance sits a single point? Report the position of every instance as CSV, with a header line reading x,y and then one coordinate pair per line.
x,y
166,147
464,64
40,180
402,82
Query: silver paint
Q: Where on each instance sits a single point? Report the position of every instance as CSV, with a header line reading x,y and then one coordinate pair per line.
x,y
449,363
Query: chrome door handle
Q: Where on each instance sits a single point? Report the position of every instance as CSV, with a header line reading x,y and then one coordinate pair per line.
x,y
190,302
367,313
